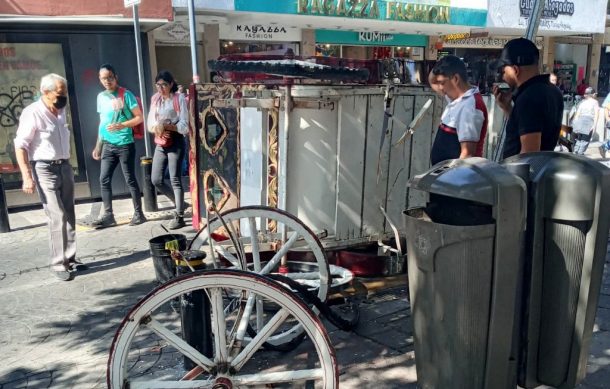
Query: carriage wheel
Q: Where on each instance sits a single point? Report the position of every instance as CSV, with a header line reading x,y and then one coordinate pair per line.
x,y
233,364
258,233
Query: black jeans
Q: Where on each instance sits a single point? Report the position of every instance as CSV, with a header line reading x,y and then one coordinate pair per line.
x,y
111,156
171,158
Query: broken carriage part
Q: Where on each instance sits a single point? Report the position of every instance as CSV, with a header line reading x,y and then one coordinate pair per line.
x,y
238,363
248,229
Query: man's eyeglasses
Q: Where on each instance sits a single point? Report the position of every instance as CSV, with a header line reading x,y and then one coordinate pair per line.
x,y
162,85
109,78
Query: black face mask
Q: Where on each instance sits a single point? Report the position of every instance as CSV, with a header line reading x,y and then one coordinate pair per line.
x,y
60,102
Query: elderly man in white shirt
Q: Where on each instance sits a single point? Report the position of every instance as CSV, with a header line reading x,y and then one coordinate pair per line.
x,y
42,145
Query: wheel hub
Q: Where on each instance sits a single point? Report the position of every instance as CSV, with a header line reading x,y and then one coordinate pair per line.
x,y
222,383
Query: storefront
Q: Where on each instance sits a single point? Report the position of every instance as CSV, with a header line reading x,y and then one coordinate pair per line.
x,y
75,50
478,52
571,61
568,25
375,45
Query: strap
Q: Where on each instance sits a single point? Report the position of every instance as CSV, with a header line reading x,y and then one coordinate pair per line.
x,y
177,103
122,97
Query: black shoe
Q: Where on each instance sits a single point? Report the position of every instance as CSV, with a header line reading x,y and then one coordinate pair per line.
x,y
138,218
62,275
77,265
177,222
107,220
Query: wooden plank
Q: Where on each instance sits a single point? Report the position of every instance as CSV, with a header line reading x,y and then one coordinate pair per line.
x,y
399,162
312,167
350,165
374,187
421,145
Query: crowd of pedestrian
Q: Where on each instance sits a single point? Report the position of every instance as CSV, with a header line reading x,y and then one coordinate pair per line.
x,y
42,146
531,101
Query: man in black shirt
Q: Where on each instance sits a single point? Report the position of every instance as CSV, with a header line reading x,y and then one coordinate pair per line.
x,y
535,112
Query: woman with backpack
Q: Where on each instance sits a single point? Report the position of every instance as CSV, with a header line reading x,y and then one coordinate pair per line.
x,y
119,113
168,120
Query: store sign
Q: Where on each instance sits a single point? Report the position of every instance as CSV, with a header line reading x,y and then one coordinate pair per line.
x,y
366,9
418,13
259,32
484,43
375,37
572,16
369,38
464,35
177,31
552,9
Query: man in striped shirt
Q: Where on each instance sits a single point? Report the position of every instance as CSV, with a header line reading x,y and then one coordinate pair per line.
x,y
463,127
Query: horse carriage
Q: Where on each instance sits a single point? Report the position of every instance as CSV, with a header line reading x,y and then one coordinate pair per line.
x,y
297,188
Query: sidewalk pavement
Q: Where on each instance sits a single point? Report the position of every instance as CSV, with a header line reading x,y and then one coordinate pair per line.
x,y
57,334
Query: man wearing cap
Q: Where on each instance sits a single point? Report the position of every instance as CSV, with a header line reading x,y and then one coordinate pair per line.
x,y
534,108
463,126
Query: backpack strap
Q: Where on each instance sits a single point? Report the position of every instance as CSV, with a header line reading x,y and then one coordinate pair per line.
x,y
122,97
177,103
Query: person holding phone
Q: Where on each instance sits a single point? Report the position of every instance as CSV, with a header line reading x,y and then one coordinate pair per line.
x,y
533,105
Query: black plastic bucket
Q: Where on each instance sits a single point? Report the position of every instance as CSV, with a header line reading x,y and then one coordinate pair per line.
x,y
165,269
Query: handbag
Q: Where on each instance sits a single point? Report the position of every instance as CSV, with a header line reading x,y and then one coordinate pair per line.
x,y
164,142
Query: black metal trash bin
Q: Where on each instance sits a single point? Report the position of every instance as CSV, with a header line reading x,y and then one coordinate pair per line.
x,y
463,252
165,269
565,250
194,308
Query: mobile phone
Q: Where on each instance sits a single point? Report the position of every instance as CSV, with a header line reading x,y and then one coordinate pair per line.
x,y
502,86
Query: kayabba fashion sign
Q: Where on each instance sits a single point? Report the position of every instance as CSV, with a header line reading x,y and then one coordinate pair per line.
x,y
573,16
259,32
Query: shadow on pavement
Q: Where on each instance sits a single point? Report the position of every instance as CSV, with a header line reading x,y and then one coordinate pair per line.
x,y
113,262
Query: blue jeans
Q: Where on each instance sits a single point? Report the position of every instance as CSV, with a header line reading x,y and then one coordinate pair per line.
x,y
170,158
112,155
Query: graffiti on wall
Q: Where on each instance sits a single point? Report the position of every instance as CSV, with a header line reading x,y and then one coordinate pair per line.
x,y
21,67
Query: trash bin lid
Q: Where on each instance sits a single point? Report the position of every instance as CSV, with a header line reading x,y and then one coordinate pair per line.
x,y
475,179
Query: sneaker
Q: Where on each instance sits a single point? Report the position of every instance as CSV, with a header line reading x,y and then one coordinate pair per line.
x,y
107,220
77,265
177,222
138,218
602,151
62,275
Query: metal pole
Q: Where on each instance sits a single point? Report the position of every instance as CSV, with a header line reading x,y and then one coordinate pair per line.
x,y
534,20
5,226
136,28
148,190
193,33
